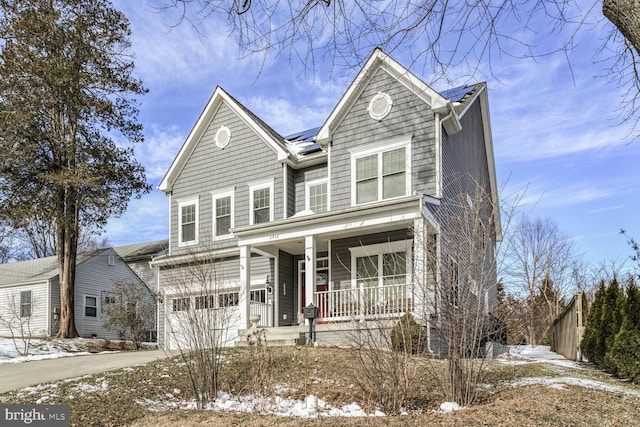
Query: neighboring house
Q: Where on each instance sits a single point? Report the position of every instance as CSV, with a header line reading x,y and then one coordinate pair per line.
x,y
335,215
30,291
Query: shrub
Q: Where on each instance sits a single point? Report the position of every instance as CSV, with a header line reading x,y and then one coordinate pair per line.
x,y
407,335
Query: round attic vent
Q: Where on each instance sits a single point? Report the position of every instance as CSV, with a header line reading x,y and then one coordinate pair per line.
x,y
379,106
223,136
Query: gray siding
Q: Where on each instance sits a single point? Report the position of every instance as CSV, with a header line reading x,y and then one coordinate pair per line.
x,y
465,169
247,159
303,176
94,277
409,116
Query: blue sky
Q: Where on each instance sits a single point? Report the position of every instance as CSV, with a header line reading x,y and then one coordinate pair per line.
x,y
556,131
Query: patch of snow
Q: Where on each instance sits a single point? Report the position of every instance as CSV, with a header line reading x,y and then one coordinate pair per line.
x,y
40,349
448,407
521,354
582,382
265,405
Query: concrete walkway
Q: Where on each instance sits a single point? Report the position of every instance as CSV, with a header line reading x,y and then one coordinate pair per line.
x,y
19,375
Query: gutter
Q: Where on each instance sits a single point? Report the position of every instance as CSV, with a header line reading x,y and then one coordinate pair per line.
x,y
451,122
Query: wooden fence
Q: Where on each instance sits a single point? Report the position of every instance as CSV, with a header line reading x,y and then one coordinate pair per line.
x,y
568,329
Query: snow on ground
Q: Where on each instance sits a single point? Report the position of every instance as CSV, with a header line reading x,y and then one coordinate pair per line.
x,y
40,349
310,408
519,354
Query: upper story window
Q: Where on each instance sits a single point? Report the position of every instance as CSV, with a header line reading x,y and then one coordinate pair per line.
x,y
317,196
261,203
188,222
381,173
223,208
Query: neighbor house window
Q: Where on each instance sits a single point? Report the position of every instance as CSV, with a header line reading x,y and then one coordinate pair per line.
x,y
188,218
317,196
90,306
181,304
223,208
25,304
261,203
382,173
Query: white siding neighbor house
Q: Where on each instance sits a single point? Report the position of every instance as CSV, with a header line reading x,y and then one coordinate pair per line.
x,y
30,292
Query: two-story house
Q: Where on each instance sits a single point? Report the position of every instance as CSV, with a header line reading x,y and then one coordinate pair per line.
x,y
336,216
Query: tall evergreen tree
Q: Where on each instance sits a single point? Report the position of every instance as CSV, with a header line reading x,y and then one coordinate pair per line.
x,y
624,354
611,321
592,345
66,93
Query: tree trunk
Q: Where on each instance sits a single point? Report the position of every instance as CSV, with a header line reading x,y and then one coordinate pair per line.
x,y
67,253
625,15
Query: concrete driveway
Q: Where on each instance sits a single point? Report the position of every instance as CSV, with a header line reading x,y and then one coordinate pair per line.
x,y
19,375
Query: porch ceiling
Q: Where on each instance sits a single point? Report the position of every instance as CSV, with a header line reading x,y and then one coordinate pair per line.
x,y
289,234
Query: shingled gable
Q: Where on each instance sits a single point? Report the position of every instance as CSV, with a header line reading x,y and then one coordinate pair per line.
x,y
266,134
380,60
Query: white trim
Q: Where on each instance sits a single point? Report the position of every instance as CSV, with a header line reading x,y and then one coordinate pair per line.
x,y
220,194
382,114
377,60
381,249
307,195
378,149
253,187
84,306
210,110
222,143
188,202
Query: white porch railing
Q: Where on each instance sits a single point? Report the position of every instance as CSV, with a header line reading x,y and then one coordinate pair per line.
x,y
364,302
264,310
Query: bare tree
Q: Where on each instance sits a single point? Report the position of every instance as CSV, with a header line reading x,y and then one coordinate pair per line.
x,y
16,314
458,285
201,305
131,309
543,263
440,35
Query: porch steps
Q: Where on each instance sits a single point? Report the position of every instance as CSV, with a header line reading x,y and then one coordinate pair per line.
x,y
276,337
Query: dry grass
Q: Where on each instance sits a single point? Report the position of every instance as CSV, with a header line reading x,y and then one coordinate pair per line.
x,y
110,399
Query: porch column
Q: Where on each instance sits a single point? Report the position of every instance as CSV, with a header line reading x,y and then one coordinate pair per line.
x,y
245,283
309,269
420,286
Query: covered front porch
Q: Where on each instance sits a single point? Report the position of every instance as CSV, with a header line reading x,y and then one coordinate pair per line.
x,y
361,264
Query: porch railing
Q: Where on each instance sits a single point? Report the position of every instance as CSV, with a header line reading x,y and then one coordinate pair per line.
x,y
364,302
265,312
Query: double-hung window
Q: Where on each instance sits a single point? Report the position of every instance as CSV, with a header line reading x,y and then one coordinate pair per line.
x,y
90,306
188,222
317,196
25,304
261,202
382,173
223,208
